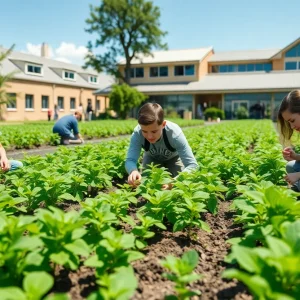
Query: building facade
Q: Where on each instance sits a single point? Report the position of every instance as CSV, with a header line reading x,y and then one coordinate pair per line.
x,y
195,79
39,84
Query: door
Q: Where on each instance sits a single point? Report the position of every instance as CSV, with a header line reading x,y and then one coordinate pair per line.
x,y
236,104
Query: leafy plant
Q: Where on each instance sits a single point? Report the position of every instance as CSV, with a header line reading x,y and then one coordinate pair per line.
x,y
182,273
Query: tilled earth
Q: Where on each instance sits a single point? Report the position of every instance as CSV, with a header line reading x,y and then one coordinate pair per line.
x,y
212,249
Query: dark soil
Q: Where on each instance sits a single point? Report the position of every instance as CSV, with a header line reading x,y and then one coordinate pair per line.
x,y
212,249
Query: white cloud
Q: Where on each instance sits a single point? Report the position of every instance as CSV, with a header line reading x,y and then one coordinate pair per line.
x,y
66,52
70,50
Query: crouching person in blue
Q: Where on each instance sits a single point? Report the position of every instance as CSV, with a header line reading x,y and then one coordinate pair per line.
x,y
8,165
164,144
67,128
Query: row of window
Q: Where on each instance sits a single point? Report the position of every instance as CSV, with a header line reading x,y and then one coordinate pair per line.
x,y
29,102
292,65
68,75
267,67
163,71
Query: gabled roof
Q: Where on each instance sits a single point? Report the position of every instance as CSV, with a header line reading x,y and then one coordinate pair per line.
x,y
170,56
11,64
295,42
242,55
226,82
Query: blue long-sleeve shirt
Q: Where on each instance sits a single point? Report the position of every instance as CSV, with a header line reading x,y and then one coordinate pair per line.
x,y
159,150
65,125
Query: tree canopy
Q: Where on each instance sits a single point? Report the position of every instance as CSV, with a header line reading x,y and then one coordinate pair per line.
x,y
125,28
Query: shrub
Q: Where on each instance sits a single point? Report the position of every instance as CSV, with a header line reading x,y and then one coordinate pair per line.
x,y
242,113
123,98
214,113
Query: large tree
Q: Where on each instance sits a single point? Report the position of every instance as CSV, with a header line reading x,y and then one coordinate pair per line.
x,y
4,78
124,28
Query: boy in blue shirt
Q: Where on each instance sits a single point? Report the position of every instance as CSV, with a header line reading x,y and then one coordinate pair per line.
x,y
67,128
163,141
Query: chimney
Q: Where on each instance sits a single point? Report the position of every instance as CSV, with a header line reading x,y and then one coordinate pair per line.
x,y
45,50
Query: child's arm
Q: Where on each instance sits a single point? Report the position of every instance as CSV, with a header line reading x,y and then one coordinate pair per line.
x,y
3,159
185,152
133,153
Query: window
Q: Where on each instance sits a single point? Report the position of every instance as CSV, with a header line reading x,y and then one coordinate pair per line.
x,y
12,101
45,102
98,107
294,52
68,75
137,72
215,69
292,65
29,104
33,69
189,70
93,79
232,68
60,102
242,68
179,71
154,72
72,103
163,71
223,68
159,71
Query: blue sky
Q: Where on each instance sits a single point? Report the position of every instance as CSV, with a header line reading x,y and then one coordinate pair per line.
x,y
223,24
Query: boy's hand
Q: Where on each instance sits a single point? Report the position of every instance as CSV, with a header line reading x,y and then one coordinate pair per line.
x,y
291,178
289,154
134,179
167,186
5,166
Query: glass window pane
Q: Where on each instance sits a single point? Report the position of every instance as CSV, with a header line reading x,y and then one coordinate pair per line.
x,y
37,70
178,71
72,103
153,71
292,52
259,67
29,101
71,75
60,102
250,67
12,100
232,68
292,65
30,69
163,72
139,72
223,68
268,67
132,72
189,70
45,102
242,68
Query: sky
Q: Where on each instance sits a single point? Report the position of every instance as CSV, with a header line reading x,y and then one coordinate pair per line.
x,y
226,25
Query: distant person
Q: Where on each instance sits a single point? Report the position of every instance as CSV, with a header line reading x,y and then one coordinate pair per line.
x,y
8,165
89,111
263,110
80,109
49,114
56,110
67,128
164,144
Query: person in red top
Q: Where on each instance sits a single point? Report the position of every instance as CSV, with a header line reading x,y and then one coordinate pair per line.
x,y
49,114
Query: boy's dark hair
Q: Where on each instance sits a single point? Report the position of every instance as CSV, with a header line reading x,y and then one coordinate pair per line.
x,y
150,113
290,103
